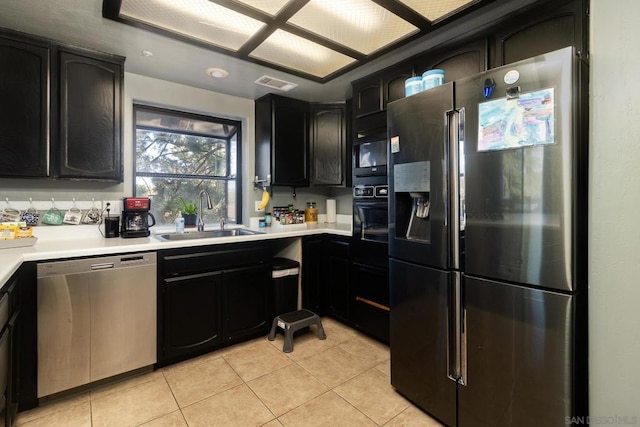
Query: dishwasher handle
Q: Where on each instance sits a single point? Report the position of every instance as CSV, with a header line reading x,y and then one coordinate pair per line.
x,y
102,266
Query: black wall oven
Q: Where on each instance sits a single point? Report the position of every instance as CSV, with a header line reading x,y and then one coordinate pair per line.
x,y
370,281
370,213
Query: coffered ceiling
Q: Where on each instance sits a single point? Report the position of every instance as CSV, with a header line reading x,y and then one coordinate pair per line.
x,y
314,39
161,54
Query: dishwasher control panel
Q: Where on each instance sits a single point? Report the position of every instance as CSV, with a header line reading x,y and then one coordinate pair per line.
x,y
83,265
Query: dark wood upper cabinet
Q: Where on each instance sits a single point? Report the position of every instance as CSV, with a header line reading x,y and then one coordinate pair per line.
x,y
89,139
60,110
393,82
24,108
457,62
282,140
542,30
367,96
328,144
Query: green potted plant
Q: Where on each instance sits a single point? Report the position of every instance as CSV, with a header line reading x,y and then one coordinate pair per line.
x,y
189,211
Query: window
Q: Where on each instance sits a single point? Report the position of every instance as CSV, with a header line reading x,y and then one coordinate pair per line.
x,y
178,154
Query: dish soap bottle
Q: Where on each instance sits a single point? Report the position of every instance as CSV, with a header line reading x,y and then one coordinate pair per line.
x,y
179,223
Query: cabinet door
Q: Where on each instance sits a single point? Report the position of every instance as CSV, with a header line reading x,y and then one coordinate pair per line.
x,y
312,274
14,369
393,83
246,296
367,97
191,314
290,143
457,62
337,279
24,107
90,116
551,28
328,141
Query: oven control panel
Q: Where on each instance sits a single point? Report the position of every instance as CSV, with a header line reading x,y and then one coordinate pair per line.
x,y
370,191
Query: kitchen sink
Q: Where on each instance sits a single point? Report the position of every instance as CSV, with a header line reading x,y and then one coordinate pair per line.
x,y
207,234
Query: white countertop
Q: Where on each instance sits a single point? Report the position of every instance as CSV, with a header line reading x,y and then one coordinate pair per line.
x,y
70,241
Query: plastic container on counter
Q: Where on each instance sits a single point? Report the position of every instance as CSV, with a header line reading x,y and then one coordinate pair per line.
x,y
412,85
432,78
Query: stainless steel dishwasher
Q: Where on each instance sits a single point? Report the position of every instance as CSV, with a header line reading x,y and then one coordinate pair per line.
x,y
96,319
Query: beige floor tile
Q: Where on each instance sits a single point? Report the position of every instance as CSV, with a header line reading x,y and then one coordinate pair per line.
x,y
305,344
238,347
335,366
273,423
326,410
367,349
338,332
134,406
238,406
385,368
256,360
174,419
78,415
372,394
124,384
413,417
53,407
286,388
190,363
201,381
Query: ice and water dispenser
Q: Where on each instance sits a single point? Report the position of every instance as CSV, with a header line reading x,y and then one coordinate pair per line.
x,y
412,192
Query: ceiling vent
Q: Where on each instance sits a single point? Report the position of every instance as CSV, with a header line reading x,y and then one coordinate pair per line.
x,y
274,83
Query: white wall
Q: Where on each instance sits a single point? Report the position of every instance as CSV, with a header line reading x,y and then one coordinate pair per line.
x,y
614,209
162,93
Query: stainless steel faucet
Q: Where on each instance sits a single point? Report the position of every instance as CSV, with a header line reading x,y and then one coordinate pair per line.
x,y
200,214
223,221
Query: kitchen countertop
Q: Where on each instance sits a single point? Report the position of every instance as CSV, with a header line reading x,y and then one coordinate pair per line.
x,y
70,241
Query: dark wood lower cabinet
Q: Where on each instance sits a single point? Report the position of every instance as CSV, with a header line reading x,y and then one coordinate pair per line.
x,y
212,296
192,314
312,274
337,266
246,302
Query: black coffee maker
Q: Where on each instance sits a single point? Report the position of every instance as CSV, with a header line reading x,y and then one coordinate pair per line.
x,y
136,218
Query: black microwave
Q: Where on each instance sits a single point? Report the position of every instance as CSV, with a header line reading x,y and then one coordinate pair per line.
x,y
370,159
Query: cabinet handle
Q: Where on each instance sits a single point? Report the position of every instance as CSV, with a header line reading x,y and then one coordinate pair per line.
x,y
372,303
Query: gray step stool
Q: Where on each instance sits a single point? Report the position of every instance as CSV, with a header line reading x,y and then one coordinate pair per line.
x,y
293,321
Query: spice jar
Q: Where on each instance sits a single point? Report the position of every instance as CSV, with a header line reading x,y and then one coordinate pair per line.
x,y
311,213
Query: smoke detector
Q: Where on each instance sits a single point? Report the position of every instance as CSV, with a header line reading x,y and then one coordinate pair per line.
x,y
274,83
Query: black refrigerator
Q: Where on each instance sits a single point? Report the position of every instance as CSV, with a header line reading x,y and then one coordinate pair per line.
x,y
487,235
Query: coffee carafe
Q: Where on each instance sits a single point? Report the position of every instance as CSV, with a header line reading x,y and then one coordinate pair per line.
x,y
136,218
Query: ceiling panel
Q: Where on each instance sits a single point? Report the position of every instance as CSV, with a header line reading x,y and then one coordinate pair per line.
x,y
436,9
288,50
359,24
314,39
270,7
199,19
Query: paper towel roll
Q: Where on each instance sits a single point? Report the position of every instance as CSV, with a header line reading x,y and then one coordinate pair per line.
x,y
331,211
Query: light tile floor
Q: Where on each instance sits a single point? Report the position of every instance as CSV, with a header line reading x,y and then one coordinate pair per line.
x,y
341,381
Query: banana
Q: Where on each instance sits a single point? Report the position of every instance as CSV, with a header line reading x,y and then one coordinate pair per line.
x,y
265,199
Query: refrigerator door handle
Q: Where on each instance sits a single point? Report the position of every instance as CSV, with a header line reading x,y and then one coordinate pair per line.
x,y
463,379
454,362
452,183
462,191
